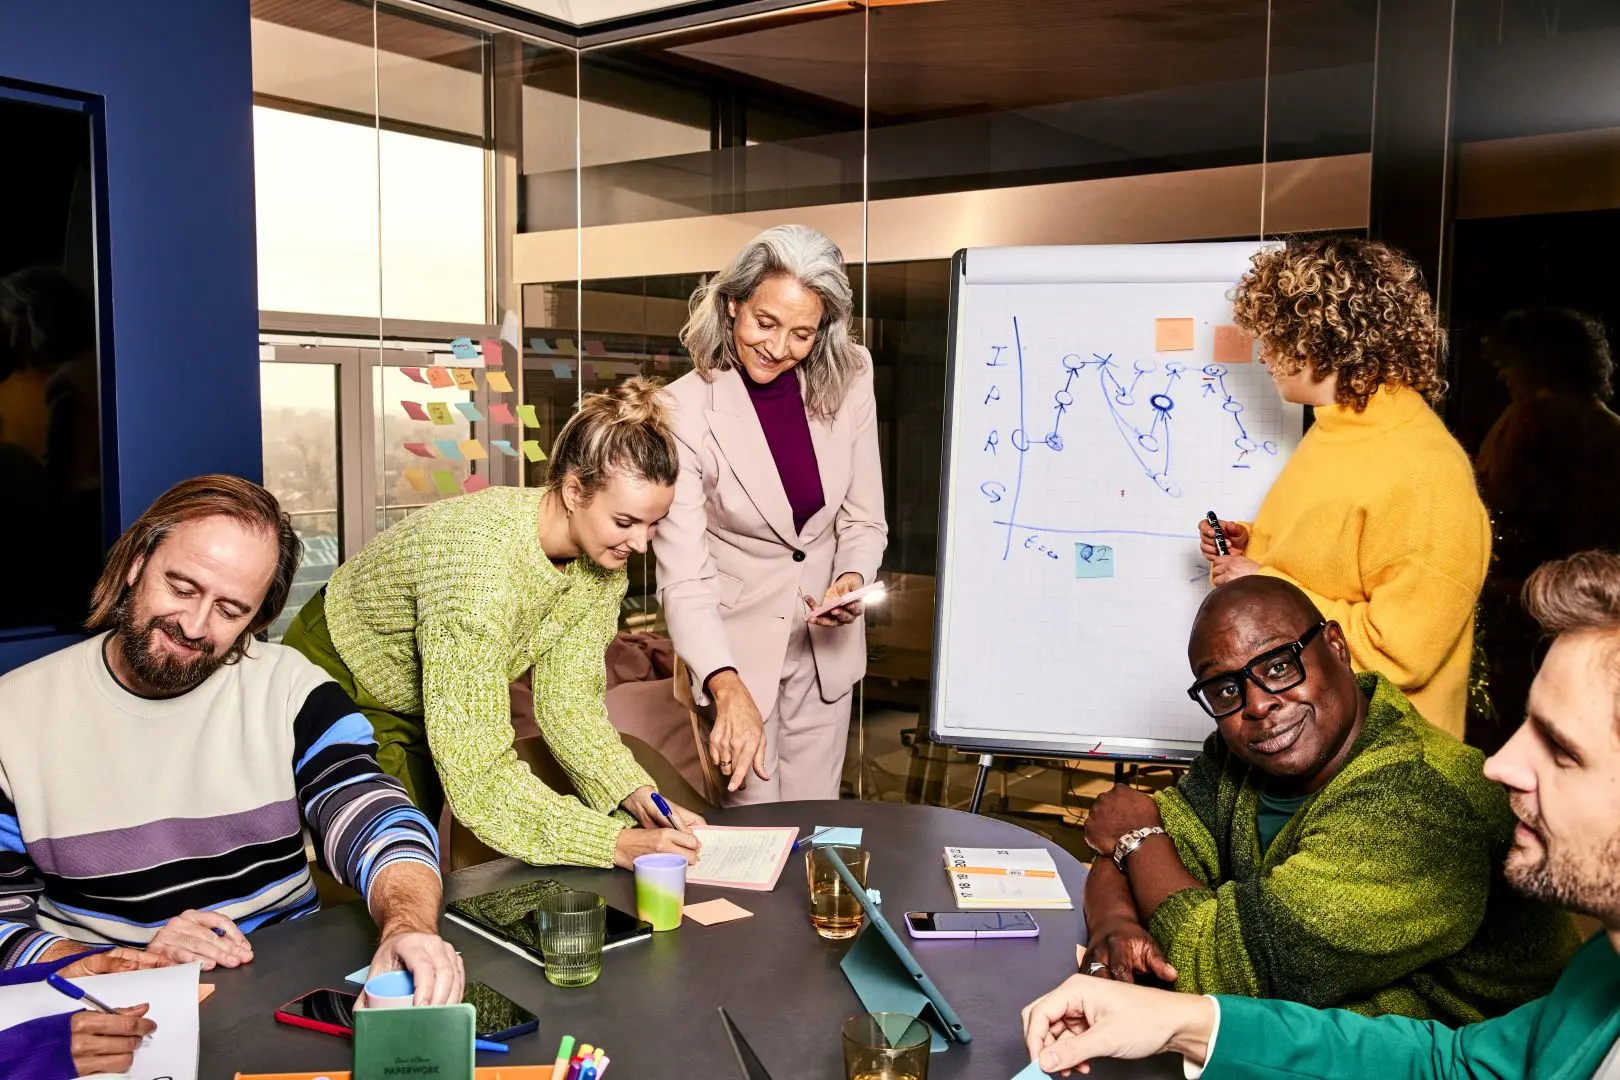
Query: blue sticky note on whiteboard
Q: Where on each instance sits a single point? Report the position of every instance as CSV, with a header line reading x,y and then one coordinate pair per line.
x,y
464,348
1093,561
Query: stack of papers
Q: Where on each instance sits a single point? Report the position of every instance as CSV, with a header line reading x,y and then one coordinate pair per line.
x,y
987,878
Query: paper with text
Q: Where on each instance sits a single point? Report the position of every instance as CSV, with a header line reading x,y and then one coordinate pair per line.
x,y
172,992
741,858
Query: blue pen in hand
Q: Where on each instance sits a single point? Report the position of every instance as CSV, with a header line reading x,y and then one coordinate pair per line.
x,y
669,815
77,993
492,1047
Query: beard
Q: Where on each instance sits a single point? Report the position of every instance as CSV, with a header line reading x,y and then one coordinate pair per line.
x,y
1587,883
167,675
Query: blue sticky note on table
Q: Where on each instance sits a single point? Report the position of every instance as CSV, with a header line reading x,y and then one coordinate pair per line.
x,y
358,977
449,449
836,837
1032,1071
1093,561
464,348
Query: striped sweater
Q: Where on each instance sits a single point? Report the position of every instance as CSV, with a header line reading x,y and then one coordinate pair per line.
x,y
119,812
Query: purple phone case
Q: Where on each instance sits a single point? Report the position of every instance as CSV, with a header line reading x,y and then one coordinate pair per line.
x,y
969,934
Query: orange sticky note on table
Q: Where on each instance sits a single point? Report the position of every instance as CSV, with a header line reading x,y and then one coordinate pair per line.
x,y
501,413
1233,346
715,911
1172,335
464,378
439,413
204,992
413,409
498,382
532,451
472,450
527,413
418,480
440,377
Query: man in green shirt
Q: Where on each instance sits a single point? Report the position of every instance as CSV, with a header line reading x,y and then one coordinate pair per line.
x,y
1267,870
1562,774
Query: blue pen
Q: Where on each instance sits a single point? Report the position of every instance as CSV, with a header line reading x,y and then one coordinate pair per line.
x,y
663,808
492,1047
803,840
77,993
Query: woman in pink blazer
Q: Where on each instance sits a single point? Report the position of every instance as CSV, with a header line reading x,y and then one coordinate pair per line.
x,y
778,509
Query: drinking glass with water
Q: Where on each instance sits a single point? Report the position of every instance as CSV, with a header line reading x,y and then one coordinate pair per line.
x,y
572,926
834,911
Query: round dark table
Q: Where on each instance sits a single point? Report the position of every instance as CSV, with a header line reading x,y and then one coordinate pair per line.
x,y
654,1007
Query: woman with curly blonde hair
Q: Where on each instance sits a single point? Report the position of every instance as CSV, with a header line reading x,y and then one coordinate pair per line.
x,y
1376,515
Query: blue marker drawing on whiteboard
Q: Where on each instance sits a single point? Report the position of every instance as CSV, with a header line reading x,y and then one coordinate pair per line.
x,y
1093,561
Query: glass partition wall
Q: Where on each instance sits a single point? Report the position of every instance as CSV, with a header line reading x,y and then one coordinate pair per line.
x,y
424,178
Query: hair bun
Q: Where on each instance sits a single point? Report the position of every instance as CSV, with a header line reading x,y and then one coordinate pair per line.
x,y
639,400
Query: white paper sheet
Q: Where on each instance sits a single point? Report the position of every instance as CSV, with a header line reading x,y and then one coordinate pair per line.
x,y
170,1053
741,858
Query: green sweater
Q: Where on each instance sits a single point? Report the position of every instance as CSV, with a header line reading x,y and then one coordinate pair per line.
x,y
1563,1036
1383,893
437,617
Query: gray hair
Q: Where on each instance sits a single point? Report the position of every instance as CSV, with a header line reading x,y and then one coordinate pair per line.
x,y
809,257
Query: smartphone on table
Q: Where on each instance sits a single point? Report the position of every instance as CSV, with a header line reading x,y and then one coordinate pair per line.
x,y
972,924
332,1012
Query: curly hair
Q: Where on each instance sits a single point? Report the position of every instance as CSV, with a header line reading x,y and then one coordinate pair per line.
x,y
1558,348
1343,305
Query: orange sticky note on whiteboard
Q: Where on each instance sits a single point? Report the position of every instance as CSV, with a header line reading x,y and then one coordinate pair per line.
x,y
440,377
1233,346
1172,335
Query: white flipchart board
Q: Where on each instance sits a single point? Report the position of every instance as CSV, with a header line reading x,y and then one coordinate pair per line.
x,y
1084,441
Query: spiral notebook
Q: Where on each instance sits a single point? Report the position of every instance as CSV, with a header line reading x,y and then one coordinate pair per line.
x,y
987,878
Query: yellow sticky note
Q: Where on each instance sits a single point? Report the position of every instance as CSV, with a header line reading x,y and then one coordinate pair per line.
x,y
472,450
526,414
464,378
440,413
418,480
1233,346
498,382
532,451
1172,335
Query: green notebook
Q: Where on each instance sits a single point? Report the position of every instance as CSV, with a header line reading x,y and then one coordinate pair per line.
x,y
419,1042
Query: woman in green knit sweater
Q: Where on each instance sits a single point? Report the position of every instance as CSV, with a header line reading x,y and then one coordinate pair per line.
x,y
1329,846
430,623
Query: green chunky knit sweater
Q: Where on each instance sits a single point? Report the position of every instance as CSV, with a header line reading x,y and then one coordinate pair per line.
x,y
1383,893
438,615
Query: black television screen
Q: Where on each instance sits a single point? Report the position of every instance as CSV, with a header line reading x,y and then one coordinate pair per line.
x,y
53,538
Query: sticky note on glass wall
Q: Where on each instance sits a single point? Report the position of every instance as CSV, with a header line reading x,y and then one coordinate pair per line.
x,y
464,378
501,413
540,345
595,348
449,449
470,411
418,480
563,371
527,413
491,349
414,374
440,377
440,413
504,447
565,345
497,382
414,410
420,449
464,348
532,451
1233,346
446,483
472,450
1172,335
474,483
1093,561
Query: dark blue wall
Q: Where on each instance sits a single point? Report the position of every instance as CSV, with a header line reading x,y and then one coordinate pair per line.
x,y
181,357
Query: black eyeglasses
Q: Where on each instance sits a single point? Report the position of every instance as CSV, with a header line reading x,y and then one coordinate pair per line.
x,y
1280,669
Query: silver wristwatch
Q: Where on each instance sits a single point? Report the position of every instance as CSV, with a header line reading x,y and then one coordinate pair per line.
x,y
1130,842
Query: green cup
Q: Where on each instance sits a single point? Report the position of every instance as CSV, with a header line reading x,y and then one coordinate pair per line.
x,y
572,926
660,889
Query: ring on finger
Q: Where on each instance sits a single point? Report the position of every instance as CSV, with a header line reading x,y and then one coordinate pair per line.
x,y
1096,966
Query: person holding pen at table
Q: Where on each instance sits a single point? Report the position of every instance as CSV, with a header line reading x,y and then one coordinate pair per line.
x,y
778,512
430,623
1376,515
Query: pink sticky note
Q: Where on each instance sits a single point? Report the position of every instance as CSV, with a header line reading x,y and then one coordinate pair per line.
x,y
1233,346
595,348
501,413
414,410
420,449
715,911
492,352
414,374
474,483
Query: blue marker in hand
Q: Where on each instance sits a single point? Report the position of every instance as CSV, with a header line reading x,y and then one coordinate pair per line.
x,y
669,815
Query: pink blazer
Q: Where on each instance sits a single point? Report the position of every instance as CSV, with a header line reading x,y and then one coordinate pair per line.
x,y
731,566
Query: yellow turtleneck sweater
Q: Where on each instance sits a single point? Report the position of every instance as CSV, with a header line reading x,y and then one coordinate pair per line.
x,y
1377,518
